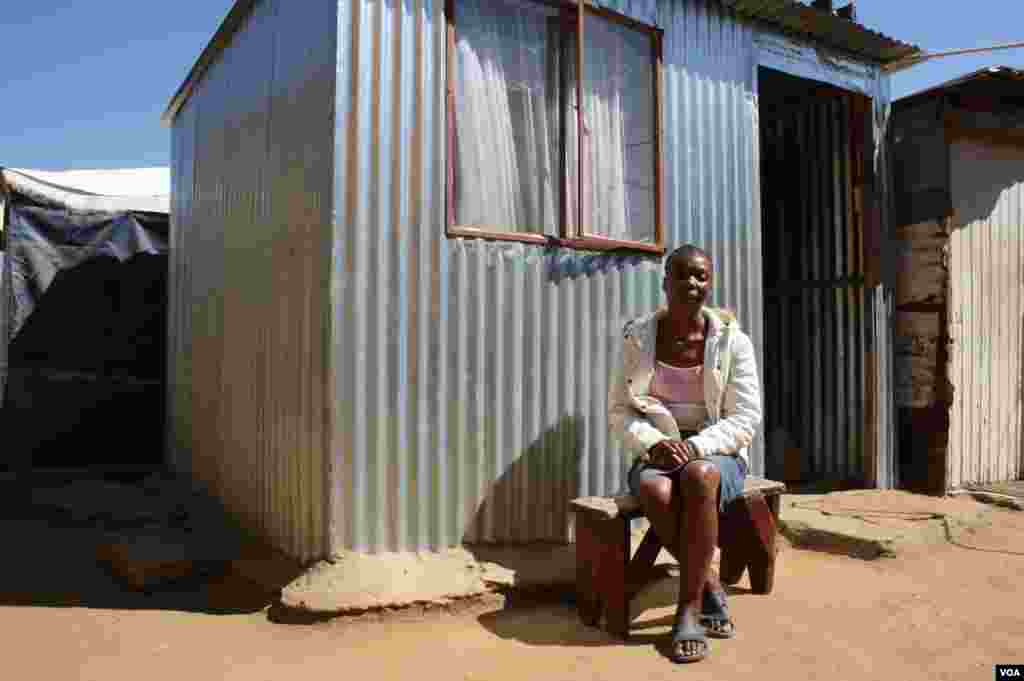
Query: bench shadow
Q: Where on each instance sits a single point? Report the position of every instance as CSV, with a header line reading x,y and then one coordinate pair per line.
x,y
551,619
540,622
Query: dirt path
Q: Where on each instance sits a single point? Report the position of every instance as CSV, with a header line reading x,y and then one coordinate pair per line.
x,y
944,612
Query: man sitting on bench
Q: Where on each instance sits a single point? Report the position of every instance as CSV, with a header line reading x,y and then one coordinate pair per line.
x,y
686,400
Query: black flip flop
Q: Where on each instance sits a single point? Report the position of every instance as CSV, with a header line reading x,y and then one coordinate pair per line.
x,y
715,611
684,635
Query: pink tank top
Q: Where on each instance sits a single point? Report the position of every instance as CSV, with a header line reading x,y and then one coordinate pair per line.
x,y
681,390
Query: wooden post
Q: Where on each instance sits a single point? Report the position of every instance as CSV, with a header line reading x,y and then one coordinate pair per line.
x,y
588,557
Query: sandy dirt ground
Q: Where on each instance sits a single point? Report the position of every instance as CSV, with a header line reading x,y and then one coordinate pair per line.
x,y
949,611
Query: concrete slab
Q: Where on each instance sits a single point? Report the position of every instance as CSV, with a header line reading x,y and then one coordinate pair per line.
x,y
871,524
1008,493
1012,488
355,582
866,524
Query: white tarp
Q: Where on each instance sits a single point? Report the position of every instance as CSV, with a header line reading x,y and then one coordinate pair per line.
x,y
121,189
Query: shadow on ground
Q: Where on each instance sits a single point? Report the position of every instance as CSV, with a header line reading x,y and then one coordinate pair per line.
x,y
144,543
536,620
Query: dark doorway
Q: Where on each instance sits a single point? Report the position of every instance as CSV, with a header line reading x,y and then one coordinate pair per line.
x,y
86,384
818,401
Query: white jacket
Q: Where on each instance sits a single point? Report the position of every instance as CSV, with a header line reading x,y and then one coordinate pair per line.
x,y
731,389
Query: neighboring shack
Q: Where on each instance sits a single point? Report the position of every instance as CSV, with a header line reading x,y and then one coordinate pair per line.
x,y
391,330
83,318
959,215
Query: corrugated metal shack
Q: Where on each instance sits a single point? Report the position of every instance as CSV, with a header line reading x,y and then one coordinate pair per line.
x,y
397,290
959,190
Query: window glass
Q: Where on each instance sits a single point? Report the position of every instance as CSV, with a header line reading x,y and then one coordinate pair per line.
x,y
507,157
619,131
526,163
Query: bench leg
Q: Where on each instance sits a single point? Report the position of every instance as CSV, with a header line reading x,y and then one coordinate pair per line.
x,y
612,576
640,569
602,560
588,558
763,549
733,558
747,538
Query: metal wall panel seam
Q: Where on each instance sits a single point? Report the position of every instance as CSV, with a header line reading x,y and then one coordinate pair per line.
x,y
436,151
360,495
339,364
1017,395
995,324
839,228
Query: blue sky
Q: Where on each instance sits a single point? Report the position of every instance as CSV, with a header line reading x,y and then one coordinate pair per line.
x,y
85,82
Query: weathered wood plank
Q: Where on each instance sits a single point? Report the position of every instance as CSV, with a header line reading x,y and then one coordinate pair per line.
x,y
627,505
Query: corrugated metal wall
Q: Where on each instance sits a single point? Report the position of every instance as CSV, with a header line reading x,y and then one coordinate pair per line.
x,y
471,376
252,173
986,313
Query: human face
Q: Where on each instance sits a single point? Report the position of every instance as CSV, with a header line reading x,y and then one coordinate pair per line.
x,y
688,281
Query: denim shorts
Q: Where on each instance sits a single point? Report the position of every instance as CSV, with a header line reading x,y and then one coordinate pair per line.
x,y
732,471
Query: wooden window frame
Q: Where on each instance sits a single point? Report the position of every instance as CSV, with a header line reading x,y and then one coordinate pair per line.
x,y
581,240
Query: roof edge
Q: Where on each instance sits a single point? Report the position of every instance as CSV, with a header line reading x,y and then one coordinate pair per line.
x,y
848,36
770,13
236,16
939,89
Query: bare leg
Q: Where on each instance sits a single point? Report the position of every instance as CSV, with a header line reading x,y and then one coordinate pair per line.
x,y
663,509
713,583
698,531
686,510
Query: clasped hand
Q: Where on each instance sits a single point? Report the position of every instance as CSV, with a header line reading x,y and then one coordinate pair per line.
x,y
669,454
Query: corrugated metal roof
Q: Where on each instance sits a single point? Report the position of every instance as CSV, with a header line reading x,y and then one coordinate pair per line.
x,y
789,16
798,19
992,74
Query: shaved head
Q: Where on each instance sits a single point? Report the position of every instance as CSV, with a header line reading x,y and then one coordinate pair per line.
x,y
685,252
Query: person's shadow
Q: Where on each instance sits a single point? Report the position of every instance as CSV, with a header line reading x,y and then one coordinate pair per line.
x,y
542,621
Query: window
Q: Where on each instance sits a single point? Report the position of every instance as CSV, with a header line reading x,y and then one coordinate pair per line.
x,y
532,155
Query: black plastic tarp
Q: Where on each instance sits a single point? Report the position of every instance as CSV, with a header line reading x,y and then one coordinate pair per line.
x,y
86,319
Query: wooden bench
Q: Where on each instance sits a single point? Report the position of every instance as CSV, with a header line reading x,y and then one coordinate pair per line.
x,y
607,579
